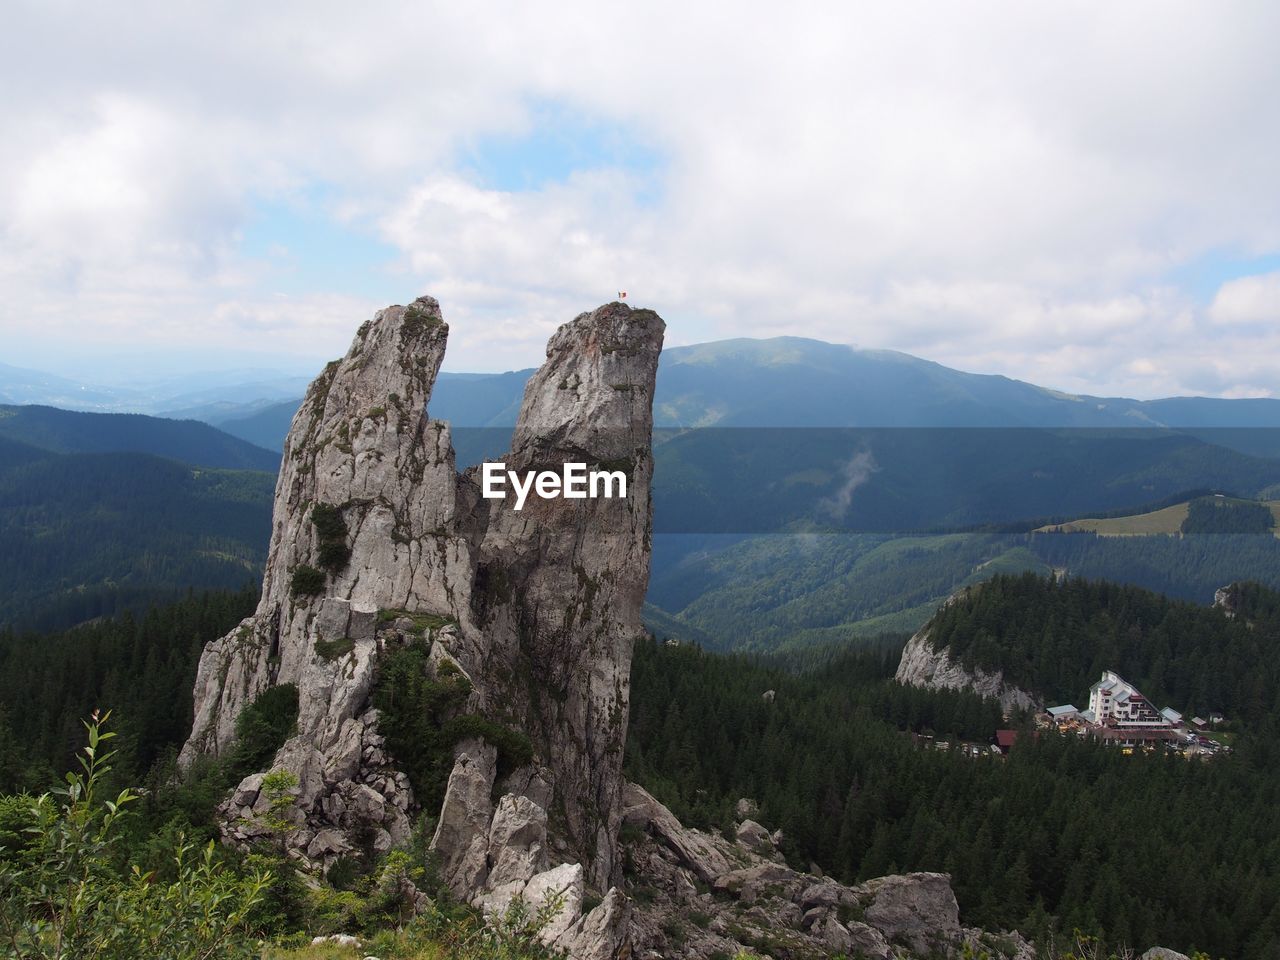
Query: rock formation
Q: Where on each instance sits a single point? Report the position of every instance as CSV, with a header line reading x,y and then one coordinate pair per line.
x,y
378,540
1227,599
527,617
923,665
709,896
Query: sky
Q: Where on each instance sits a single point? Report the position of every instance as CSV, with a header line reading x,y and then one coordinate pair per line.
x,y
1082,195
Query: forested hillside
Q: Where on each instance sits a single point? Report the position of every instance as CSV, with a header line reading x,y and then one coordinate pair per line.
x,y
779,591
929,480
1055,637
1051,832
140,667
1060,828
91,534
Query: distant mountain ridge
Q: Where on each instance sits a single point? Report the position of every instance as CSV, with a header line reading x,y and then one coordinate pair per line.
x,y
205,395
798,382
742,382
188,441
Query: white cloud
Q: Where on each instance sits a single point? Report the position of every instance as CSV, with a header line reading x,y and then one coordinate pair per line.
x,y
1004,187
1248,301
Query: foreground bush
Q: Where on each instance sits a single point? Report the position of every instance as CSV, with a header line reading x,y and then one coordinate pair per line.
x,y
64,892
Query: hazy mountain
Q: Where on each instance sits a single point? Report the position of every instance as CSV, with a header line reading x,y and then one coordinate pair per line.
x,y
20,385
796,382
204,395
793,381
66,431
266,427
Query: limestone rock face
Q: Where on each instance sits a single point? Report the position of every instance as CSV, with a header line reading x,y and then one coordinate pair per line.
x,y
462,835
923,666
362,443
536,608
560,583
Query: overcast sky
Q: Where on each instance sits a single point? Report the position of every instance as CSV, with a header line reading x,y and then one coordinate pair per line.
x,y
1085,196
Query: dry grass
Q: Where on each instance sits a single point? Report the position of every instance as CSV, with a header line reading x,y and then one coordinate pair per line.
x,y
1168,520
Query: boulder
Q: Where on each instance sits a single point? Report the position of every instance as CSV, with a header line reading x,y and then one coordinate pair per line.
x,y
762,879
919,908
563,884
755,838
602,933
246,794
867,941
337,940
694,849
517,841
462,835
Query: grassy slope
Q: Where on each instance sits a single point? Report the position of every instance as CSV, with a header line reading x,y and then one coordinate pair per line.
x,y
1165,521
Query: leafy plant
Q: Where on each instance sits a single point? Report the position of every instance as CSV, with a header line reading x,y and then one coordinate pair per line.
x,y
64,896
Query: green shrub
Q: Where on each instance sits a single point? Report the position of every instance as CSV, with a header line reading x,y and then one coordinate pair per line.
x,y
15,820
64,896
335,649
419,718
333,553
307,581
422,622
261,729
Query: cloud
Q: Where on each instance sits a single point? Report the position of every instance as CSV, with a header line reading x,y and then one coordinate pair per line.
x,y
1248,301
1008,188
856,471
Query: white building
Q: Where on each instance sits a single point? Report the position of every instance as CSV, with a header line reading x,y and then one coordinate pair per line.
x,y
1064,713
1114,702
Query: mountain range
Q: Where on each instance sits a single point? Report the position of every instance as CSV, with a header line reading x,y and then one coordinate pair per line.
x,y
797,382
783,381
852,471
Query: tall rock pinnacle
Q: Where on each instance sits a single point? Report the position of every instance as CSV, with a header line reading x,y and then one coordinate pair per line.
x,y
574,572
536,608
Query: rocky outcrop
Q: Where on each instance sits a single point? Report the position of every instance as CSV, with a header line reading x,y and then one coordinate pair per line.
x,y
560,584
1227,599
704,896
924,666
378,540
